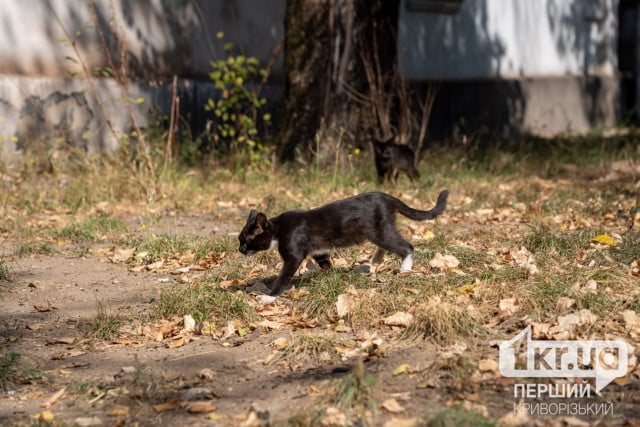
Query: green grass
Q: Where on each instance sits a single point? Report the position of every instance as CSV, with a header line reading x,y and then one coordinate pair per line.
x,y
105,325
324,288
543,241
355,393
320,349
91,230
167,246
35,248
4,271
203,301
456,416
15,372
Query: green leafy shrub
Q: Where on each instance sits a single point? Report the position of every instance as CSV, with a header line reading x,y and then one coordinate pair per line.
x,y
236,111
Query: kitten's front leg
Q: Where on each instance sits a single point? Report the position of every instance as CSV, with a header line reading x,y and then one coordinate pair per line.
x,y
323,260
288,270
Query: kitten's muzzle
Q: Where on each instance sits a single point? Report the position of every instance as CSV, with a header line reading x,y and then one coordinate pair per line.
x,y
245,250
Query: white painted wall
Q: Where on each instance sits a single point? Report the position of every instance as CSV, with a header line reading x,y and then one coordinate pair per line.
x,y
510,39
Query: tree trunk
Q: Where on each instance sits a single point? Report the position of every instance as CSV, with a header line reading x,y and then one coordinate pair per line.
x,y
326,86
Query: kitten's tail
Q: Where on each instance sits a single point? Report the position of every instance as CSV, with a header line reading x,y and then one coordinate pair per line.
x,y
418,215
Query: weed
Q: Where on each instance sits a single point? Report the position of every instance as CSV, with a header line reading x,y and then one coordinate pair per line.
x,y
92,229
628,250
146,384
548,242
34,248
105,326
457,416
355,392
204,302
4,271
13,371
320,349
444,321
324,288
167,246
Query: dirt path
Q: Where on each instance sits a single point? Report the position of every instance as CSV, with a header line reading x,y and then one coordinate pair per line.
x,y
70,288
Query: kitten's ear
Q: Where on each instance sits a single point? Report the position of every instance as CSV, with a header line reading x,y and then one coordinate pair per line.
x,y
261,220
252,216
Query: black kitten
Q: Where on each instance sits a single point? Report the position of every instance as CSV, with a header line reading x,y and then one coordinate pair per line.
x,y
366,217
391,159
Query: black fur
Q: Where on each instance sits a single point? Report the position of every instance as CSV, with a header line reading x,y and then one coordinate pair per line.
x,y
391,159
365,217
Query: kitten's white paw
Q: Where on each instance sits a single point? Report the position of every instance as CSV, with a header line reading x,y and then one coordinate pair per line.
x,y
407,264
266,299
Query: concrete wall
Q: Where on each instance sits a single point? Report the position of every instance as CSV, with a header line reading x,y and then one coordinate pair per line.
x,y
510,39
537,66
44,100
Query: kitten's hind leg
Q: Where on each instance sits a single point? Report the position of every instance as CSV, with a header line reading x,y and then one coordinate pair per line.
x,y
323,260
392,241
378,256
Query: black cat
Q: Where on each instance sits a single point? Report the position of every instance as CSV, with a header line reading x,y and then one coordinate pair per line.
x,y
391,159
298,234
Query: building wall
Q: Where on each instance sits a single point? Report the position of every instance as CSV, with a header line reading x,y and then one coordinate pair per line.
x,y
539,66
543,66
510,39
43,99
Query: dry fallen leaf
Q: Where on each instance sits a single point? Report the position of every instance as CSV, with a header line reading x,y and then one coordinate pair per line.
x,y
392,406
122,255
344,305
189,323
400,318
508,306
200,407
403,422
444,262
175,343
630,319
45,308
280,343
119,411
334,417
634,269
50,401
171,405
564,304
488,365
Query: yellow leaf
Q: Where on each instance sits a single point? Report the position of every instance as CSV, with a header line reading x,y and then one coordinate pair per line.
x,y
402,369
464,289
428,235
604,239
46,416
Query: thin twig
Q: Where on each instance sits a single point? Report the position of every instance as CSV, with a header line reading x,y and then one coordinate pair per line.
x,y
175,110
